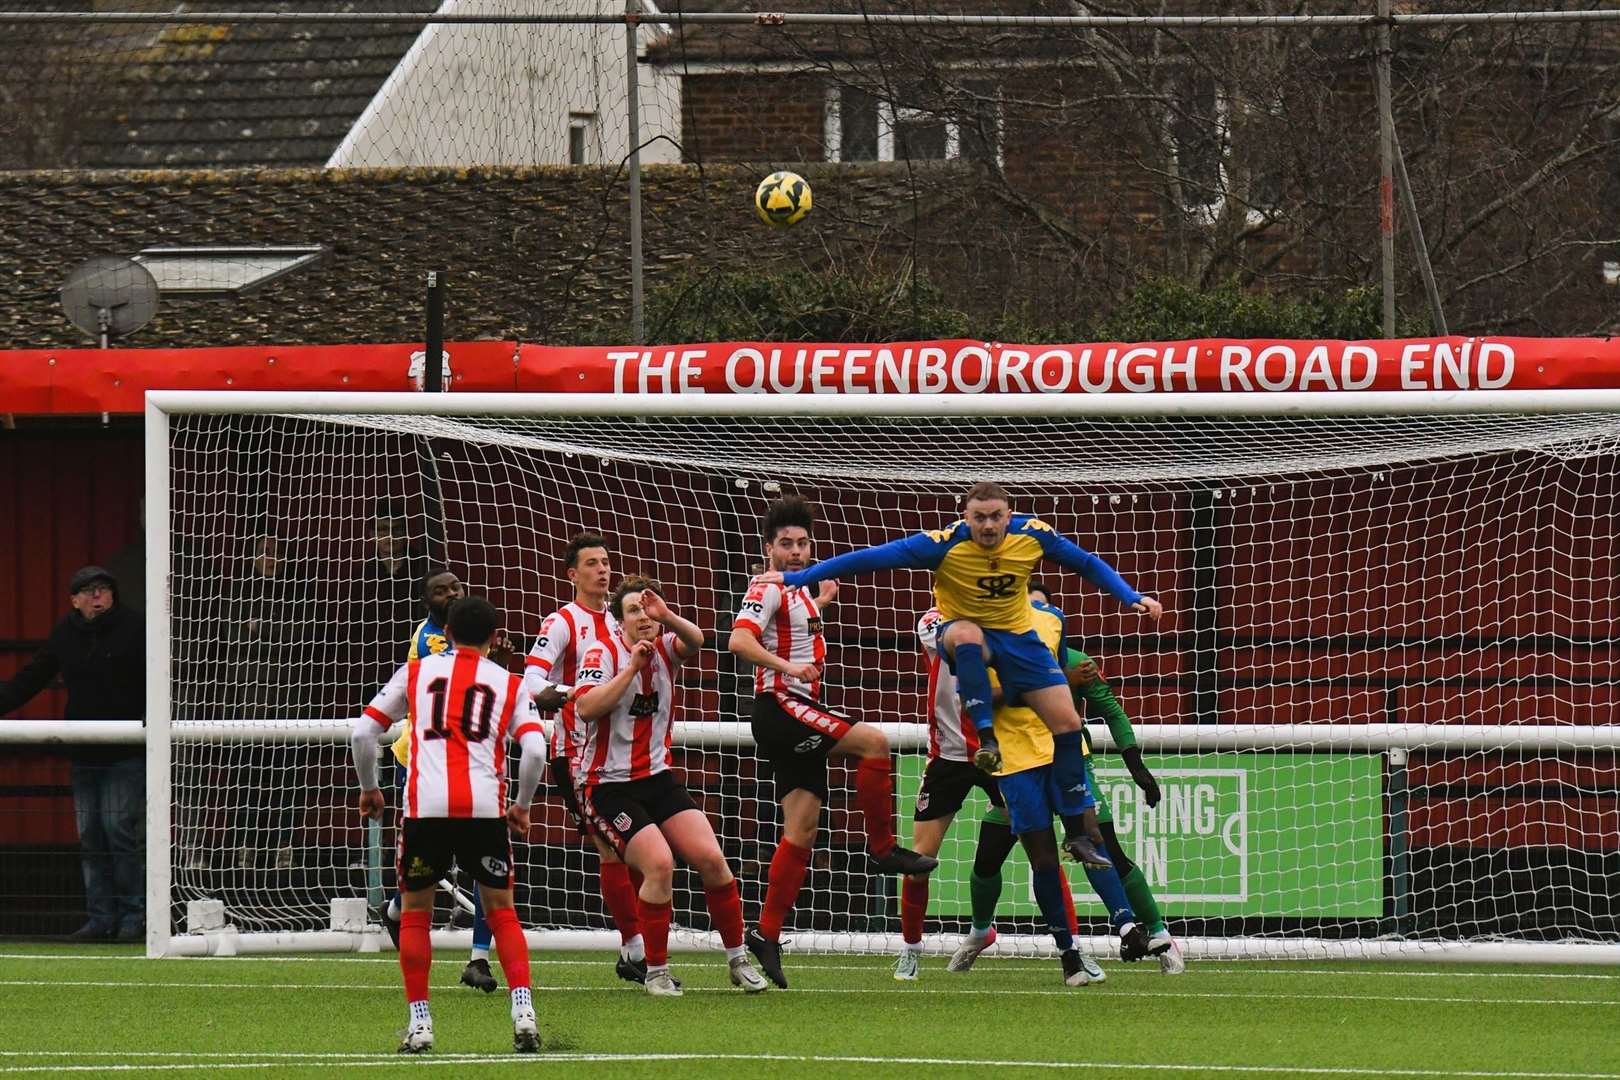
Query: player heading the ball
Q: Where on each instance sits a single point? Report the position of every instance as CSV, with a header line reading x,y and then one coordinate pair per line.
x,y
462,707
982,565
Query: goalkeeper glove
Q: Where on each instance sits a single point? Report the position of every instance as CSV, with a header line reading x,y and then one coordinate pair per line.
x,y
1140,774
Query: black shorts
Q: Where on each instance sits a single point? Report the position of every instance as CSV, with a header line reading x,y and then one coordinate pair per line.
x,y
616,812
562,781
796,744
428,847
945,786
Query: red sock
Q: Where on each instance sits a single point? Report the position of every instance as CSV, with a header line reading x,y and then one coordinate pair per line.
x,y
874,793
788,867
655,932
415,952
1068,904
621,900
636,877
725,911
510,945
913,909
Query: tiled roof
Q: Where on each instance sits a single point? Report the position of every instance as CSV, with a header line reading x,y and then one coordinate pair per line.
x,y
203,94
532,255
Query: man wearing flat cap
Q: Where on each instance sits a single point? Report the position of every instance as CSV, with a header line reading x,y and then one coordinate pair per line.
x,y
99,649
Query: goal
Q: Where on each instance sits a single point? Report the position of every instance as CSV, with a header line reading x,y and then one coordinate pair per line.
x,y
1380,706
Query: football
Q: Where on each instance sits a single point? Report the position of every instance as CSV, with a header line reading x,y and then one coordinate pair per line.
x,y
782,199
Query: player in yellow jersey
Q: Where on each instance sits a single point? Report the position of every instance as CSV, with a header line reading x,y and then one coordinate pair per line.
x,y
1024,802
982,565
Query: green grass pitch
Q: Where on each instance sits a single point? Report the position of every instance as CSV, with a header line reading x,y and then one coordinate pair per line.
x,y
84,1011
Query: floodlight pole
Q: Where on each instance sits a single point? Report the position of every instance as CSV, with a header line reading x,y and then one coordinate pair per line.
x,y
1386,168
633,129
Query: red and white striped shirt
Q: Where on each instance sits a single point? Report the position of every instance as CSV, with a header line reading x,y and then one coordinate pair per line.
x,y
565,636
462,708
788,623
632,741
951,734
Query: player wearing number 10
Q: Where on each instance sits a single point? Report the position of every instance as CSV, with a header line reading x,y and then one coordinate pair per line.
x,y
462,707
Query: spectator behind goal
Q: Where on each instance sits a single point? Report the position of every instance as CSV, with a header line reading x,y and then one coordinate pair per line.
x,y
99,648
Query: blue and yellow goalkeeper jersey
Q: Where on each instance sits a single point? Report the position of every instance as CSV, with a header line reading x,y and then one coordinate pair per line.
x,y
429,640
987,586
1026,742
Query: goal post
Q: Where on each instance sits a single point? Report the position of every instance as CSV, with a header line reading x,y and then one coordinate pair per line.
x,y
1380,707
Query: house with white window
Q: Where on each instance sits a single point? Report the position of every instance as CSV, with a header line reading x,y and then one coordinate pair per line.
x,y
329,94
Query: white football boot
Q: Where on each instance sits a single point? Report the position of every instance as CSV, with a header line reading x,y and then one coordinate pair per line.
x,y
905,968
525,1032
967,952
418,1037
1171,961
662,984
746,978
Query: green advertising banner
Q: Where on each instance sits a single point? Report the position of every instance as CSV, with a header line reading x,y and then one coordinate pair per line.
x,y
1234,834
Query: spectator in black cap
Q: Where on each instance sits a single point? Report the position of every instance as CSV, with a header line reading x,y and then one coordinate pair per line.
x,y
99,649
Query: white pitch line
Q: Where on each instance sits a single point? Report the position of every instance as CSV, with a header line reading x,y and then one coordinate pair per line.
x,y
953,991
810,962
276,1060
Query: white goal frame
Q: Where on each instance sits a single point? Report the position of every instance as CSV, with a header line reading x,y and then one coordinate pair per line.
x,y
1394,739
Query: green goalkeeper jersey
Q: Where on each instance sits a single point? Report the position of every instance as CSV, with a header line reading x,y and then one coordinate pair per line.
x,y
1097,701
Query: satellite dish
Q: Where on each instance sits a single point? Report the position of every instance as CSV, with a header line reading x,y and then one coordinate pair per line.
x,y
108,297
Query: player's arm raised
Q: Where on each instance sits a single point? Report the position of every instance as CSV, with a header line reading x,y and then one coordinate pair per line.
x,y
921,551
688,637
1095,569
598,693
388,706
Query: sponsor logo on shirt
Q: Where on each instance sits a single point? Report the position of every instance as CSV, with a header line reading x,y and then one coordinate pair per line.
x,y
996,586
644,704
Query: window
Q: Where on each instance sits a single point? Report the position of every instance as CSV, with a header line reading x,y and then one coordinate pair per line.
x,y
222,271
860,126
1608,215
1213,164
1197,124
581,133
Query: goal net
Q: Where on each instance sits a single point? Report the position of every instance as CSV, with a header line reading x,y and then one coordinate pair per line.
x,y
1377,707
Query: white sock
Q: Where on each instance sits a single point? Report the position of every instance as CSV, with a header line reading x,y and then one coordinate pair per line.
x,y
735,954
911,947
481,953
419,1011
634,949
979,935
393,910
521,1000
656,970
